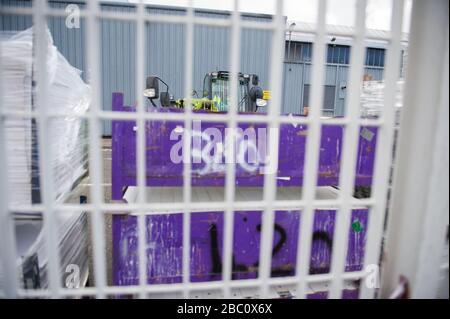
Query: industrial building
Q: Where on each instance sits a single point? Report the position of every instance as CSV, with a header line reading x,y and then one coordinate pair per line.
x,y
165,51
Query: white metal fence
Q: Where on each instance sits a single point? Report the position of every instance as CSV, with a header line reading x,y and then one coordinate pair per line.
x,y
308,203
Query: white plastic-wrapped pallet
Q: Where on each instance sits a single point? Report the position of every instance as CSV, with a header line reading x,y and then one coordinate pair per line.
x,y
372,98
68,93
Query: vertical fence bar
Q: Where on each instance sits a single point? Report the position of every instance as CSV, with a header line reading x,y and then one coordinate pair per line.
x,y
411,209
273,125
349,151
141,150
40,44
230,156
187,147
8,248
312,152
384,145
436,223
95,147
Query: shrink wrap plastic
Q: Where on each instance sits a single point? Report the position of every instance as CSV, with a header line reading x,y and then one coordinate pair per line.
x,y
67,141
66,92
372,99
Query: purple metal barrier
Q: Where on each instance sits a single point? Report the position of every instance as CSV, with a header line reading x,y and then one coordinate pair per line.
x,y
164,253
164,232
161,171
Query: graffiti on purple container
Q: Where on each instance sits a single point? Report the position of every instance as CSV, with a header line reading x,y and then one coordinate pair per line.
x,y
214,148
251,158
164,253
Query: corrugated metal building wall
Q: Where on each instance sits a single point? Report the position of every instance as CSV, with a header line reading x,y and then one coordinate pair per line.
x,y
165,47
297,67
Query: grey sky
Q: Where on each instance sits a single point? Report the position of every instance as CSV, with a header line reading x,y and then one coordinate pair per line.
x,y
340,12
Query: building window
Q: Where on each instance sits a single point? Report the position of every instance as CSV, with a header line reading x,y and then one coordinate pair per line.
x,y
338,54
297,51
375,57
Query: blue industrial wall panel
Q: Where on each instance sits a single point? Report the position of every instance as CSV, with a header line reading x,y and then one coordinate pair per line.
x,y
293,83
341,81
164,48
14,23
297,75
165,54
118,60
